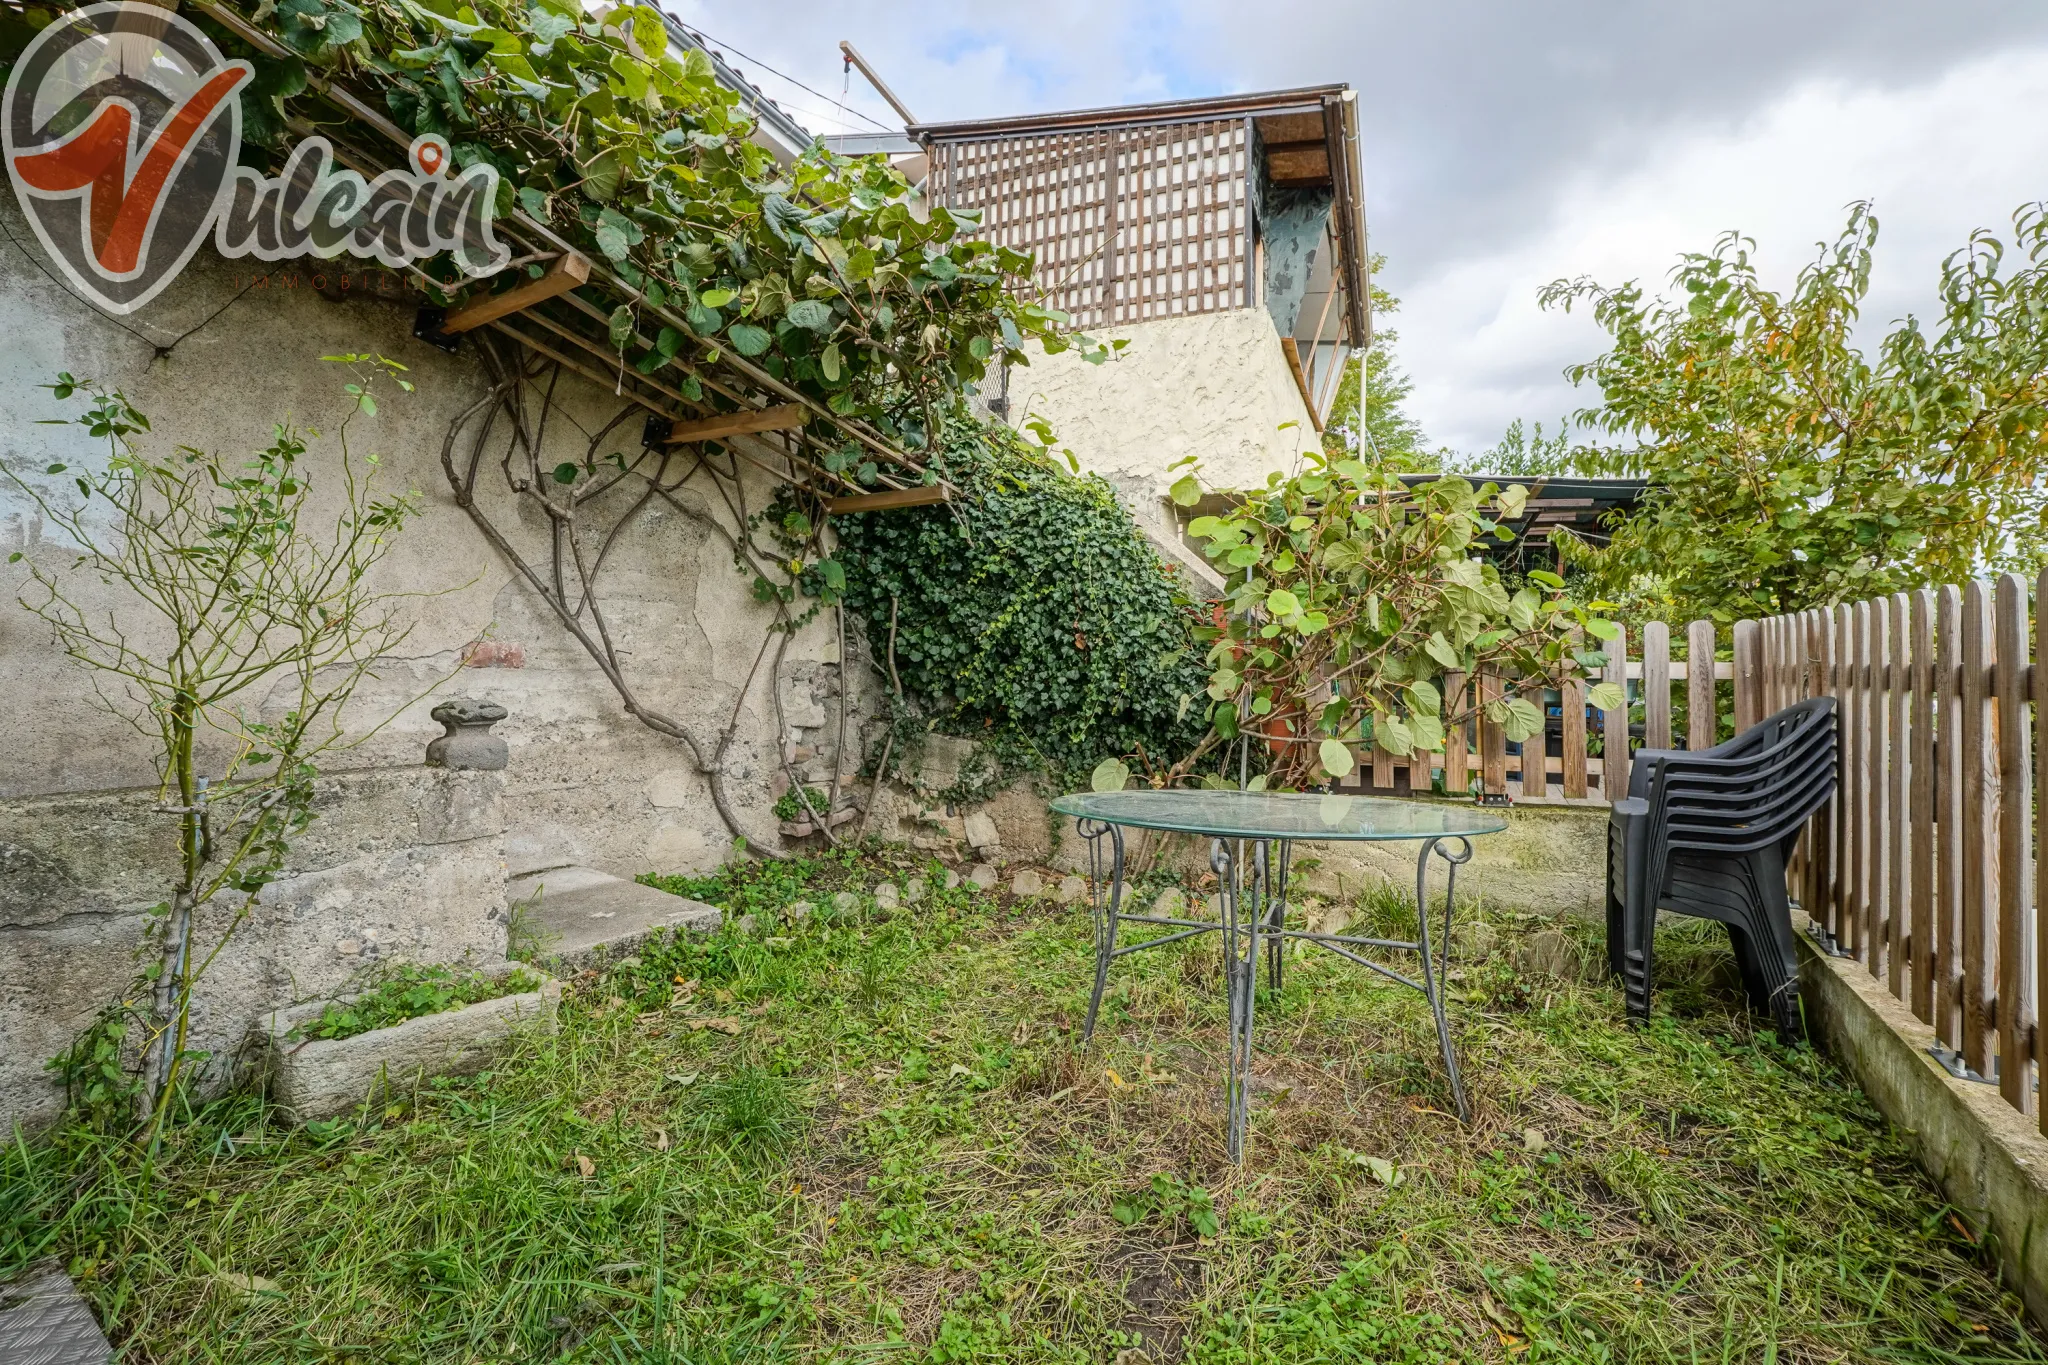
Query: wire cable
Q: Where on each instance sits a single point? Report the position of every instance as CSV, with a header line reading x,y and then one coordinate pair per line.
x,y
701,34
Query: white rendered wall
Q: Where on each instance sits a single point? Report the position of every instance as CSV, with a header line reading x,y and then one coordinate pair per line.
x,y
1213,385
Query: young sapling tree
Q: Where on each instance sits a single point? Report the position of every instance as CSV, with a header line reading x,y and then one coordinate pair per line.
x,y
232,633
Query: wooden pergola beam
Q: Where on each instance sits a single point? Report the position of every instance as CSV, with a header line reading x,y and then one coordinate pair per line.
x,y
566,272
787,417
883,502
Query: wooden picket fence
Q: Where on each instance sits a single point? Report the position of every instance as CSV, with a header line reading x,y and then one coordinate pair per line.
x,y
1922,868
1580,774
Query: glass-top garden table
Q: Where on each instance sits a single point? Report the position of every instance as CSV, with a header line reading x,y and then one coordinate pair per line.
x,y
1253,836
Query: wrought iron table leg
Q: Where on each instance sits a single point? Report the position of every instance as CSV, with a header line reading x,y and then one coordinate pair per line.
x,y
1105,900
1240,890
1276,918
1433,971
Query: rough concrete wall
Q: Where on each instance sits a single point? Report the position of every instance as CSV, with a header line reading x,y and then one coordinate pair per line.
x,y
1215,385
398,863
214,362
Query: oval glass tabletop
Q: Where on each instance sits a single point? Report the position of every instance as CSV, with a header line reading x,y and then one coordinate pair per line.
x,y
1280,815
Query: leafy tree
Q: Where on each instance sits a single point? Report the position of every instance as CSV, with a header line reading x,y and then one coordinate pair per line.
x,y
1789,469
1359,613
1378,430
1528,452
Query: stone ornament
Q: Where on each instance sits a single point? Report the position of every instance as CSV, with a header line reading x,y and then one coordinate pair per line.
x,y
469,742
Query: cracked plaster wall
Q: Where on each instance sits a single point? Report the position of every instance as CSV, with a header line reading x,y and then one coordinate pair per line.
x,y
213,362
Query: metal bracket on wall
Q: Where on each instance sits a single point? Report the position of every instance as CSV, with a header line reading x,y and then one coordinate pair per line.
x,y
1826,940
1952,1062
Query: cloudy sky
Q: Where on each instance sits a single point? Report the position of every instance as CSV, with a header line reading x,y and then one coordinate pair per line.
x,y
1511,143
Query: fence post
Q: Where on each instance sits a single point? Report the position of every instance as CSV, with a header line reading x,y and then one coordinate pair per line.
x,y
1614,722
1849,852
1656,685
1920,836
1752,686
1572,737
1827,888
1979,792
1456,778
2040,811
1948,813
1699,687
2015,894
1876,627
1493,746
1899,943
1884,910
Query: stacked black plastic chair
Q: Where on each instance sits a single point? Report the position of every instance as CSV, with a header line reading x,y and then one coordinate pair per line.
x,y
1706,833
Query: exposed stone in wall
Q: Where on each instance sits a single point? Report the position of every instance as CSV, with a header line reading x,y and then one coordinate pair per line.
x,y
1550,860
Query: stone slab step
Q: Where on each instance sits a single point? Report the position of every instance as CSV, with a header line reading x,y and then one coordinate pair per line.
x,y
44,1321
589,917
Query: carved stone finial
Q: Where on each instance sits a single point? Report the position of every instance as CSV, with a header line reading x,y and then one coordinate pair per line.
x,y
469,742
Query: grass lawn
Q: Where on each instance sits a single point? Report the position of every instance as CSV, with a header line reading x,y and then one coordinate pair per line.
x,y
872,1136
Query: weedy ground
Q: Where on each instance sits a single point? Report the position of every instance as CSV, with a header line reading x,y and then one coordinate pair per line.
x,y
874,1135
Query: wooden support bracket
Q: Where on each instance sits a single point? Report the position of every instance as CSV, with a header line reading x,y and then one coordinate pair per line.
x,y
565,273
788,417
1293,353
882,502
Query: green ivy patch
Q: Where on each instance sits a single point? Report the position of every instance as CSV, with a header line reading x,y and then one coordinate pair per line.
x,y
1032,614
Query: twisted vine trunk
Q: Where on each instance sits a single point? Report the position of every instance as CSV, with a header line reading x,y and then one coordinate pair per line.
x,y
566,558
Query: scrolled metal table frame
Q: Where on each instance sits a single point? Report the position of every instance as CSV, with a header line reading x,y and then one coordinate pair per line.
x,y
1252,881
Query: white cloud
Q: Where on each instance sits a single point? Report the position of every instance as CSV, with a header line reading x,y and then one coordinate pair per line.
x,y
1940,158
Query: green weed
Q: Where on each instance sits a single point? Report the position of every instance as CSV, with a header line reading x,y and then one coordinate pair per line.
x,y
409,991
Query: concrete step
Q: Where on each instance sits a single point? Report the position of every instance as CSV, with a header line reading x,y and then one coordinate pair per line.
x,y
588,917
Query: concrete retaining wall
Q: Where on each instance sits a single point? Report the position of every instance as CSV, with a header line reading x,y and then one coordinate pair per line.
x,y
398,863
1989,1160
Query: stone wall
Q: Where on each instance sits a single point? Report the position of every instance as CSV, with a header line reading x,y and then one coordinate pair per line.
x,y
213,362
1549,860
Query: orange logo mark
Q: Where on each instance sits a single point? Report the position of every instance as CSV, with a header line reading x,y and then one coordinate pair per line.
x,y
120,206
